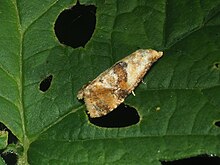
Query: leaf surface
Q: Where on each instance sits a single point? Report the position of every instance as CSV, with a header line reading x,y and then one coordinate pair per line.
x,y
178,105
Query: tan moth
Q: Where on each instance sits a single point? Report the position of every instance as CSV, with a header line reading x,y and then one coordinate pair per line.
x,y
110,88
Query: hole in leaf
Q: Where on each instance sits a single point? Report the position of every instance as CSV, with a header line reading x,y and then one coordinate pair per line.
x,y
75,26
217,123
122,116
11,137
217,65
202,159
45,83
9,158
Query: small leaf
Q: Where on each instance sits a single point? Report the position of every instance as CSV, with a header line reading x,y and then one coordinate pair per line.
x,y
2,162
3,139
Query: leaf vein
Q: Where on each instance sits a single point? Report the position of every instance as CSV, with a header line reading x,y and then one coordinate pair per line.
x,y
41,15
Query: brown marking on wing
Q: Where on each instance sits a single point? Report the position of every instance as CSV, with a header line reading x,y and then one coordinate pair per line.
x,y
101,100
120,71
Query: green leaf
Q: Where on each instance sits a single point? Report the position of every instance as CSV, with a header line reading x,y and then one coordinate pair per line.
x,y
3,143
3,139
2,162
178,105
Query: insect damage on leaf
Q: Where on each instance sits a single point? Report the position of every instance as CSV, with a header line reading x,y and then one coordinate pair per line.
x,y
111,87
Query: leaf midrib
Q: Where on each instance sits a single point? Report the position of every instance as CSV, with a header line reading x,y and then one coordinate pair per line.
x,y
25,141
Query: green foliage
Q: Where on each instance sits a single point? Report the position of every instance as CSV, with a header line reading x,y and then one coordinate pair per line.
x,y
52,126
3,139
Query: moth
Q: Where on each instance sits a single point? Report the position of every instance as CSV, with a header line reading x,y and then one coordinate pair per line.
x,y
110,88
